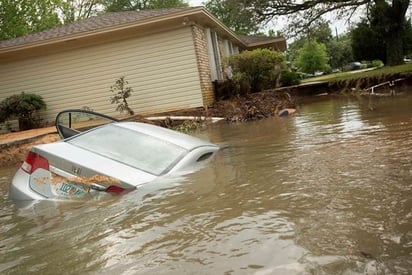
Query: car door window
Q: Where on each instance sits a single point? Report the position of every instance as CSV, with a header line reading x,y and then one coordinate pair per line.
x,y
74,121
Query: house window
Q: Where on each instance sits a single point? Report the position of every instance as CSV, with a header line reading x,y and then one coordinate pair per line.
x,y
235,49
228,47
214,55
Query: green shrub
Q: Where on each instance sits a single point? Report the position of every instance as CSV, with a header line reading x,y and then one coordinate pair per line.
x,y
22,107
288,78
372,64
257,69
377,63
363,66
3,112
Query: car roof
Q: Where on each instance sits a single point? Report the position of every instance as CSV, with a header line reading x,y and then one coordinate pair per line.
x,y
183,140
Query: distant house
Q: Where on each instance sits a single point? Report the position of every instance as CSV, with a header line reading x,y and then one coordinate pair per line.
x,y
169,57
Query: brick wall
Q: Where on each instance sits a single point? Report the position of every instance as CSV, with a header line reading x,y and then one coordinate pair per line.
x,y
203,64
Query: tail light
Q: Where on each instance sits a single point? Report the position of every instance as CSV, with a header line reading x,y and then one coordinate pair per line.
x,y
33,162
111,189
114,189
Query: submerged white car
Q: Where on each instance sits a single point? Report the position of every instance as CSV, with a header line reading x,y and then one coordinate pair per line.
x,y
98,154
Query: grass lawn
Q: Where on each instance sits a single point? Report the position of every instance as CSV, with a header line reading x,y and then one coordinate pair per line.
x,y
361,73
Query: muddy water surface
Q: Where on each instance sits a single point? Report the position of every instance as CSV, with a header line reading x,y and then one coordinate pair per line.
x,y
326,191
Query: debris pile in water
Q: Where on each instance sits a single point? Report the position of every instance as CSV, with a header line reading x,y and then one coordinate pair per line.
x,y
249,107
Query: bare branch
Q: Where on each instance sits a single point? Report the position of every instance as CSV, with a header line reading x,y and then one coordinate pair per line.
x,y
315,8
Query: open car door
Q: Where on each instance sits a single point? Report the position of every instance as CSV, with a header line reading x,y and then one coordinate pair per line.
x,y
74,121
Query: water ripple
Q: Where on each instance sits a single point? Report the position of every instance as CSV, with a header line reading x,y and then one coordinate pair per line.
x,y
327,191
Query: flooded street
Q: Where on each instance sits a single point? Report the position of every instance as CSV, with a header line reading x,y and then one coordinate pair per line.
x,y
326,191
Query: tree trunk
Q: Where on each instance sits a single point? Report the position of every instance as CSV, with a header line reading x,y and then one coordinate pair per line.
x,y
395,15
394,48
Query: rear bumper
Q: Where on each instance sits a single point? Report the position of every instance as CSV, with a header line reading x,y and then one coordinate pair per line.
x,y
20,188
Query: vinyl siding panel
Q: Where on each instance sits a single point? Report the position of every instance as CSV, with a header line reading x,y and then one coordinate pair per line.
x,y
161,69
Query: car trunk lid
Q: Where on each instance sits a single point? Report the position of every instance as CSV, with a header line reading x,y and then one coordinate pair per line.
x,y
74,172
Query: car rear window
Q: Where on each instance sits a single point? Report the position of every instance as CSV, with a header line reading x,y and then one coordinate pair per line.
x,y
132,148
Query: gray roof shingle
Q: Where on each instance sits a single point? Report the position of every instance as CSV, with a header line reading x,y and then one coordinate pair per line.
x,y
90,24
110,20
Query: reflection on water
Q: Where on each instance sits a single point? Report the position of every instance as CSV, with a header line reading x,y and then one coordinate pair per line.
x,y
327,191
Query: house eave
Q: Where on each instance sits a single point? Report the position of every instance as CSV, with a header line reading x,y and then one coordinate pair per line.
x,y
276,43
222,28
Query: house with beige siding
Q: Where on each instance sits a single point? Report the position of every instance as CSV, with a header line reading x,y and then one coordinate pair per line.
x,y
169,57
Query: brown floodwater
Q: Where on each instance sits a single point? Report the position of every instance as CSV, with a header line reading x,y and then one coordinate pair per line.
x,y
325,191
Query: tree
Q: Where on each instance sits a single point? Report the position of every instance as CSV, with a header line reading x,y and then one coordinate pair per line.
x,y
20,17
369,38
408,39
338,48
129,5
391,23
72,10
304,13
312,57
340,51
320,32
368,43
241,22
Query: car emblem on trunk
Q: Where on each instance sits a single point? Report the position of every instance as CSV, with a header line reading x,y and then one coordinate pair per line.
x,y
76,170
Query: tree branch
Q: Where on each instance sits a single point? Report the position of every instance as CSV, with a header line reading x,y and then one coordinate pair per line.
x,y
269,9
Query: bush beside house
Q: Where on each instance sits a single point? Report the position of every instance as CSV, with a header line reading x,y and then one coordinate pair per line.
x,y
257,69
22,107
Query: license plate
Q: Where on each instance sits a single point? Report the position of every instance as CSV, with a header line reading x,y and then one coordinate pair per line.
x,y
71,189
